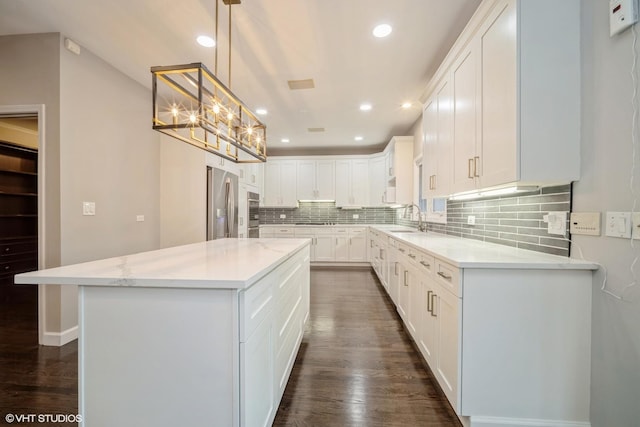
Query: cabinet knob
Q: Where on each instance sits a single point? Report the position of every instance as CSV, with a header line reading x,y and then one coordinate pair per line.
x,y
6,268
6,249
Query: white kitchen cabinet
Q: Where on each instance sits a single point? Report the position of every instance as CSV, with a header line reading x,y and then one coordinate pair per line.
x,y
352,182
357,245
280,183
315,180
399,168
251,173
325,248
516,98
377,180
309,233
437,144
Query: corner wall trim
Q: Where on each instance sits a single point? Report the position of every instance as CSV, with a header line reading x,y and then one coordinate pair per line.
x,y
58,339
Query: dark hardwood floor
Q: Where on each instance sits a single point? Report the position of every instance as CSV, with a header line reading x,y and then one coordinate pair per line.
x,y
356,367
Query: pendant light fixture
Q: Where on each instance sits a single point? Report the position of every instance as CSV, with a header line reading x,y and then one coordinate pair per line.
x,y
191,104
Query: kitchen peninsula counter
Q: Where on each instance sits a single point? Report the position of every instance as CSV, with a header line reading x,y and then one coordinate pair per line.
x,y
201,334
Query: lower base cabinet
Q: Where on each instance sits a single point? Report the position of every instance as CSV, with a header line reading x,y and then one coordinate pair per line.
x,y
508,346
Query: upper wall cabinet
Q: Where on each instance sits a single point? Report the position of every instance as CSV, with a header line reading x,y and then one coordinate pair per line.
x,y
399,168
436,127
515,82
352,182
280,183
316,180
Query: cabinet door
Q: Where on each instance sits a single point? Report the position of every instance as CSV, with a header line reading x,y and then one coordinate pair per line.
x,y
377,181
429,325
446,310
403,292
342,248
359,182
442,180
430,148
498,46
464,78
358,248
325,180
288,183
325,248
394,276
306,179
257,376
344,184
272,183
414,305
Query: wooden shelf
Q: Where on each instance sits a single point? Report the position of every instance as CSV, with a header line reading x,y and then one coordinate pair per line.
x,y
4,193
11,171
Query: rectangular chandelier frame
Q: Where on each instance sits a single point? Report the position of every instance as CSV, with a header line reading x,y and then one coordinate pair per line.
x,y
192,105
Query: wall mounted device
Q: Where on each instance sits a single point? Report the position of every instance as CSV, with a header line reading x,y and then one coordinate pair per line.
x,y
622,15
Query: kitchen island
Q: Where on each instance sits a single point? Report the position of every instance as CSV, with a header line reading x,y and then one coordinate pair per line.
x,y
201,334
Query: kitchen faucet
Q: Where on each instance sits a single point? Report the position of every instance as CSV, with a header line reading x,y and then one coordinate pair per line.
x,y
421,226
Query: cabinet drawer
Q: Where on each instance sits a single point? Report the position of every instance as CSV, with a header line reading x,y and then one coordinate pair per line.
x,y
18,247
448,276
10,266
427,263
283,231
256,304
357,231
305,232
341,231
324,230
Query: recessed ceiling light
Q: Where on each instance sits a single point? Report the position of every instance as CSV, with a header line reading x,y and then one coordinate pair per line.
x,y
365,107
285,140
261,111
382,30
206,41
406,105
358,138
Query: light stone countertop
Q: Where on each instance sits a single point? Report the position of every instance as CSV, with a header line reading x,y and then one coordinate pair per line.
x,y
220,264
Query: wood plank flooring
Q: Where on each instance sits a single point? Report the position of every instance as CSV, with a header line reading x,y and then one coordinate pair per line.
x,y
356,367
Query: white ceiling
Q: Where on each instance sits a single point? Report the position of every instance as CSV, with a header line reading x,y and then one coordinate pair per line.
x,y
274,41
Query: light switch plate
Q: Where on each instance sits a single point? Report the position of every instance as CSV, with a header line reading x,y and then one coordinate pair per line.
x,y
586,223
139,218
618,224
471,220
88,208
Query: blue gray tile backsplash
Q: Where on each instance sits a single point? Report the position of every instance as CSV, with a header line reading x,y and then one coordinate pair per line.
x,y
507,220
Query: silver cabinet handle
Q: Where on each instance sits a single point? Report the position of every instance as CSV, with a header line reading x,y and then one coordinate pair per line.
x,y
444,276
370,243
395,269
381,253
429,301
469,166
402,250
406,280
433,305
412,256
476,159
427,265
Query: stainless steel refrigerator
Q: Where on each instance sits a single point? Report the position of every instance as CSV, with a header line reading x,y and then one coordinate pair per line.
x,y
222,204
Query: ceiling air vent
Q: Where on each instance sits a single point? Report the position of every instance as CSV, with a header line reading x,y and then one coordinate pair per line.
x,y
315,129
301,84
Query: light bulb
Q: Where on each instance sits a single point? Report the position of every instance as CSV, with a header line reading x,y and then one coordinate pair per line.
x,y
216,109
230,116
249,130
258,139
192,117
174,111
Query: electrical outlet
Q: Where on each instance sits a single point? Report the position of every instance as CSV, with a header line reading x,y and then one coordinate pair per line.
x,y
140,218
471,220
356,216
586,223
618,224
283,216
556,223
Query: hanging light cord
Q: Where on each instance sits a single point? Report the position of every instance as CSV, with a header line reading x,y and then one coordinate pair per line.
x,y
215,62
229,45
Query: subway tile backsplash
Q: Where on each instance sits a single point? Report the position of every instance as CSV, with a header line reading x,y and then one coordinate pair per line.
x,y
515,221
326,212
509,220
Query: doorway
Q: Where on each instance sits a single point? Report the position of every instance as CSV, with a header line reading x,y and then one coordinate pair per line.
x,y
20,220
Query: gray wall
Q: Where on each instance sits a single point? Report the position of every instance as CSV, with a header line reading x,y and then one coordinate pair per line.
x,y
604,186
29,74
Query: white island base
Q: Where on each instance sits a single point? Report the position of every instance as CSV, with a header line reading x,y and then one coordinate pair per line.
x,y
205,350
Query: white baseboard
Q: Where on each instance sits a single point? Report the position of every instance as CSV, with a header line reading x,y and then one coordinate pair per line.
x,y
524,422
58,339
